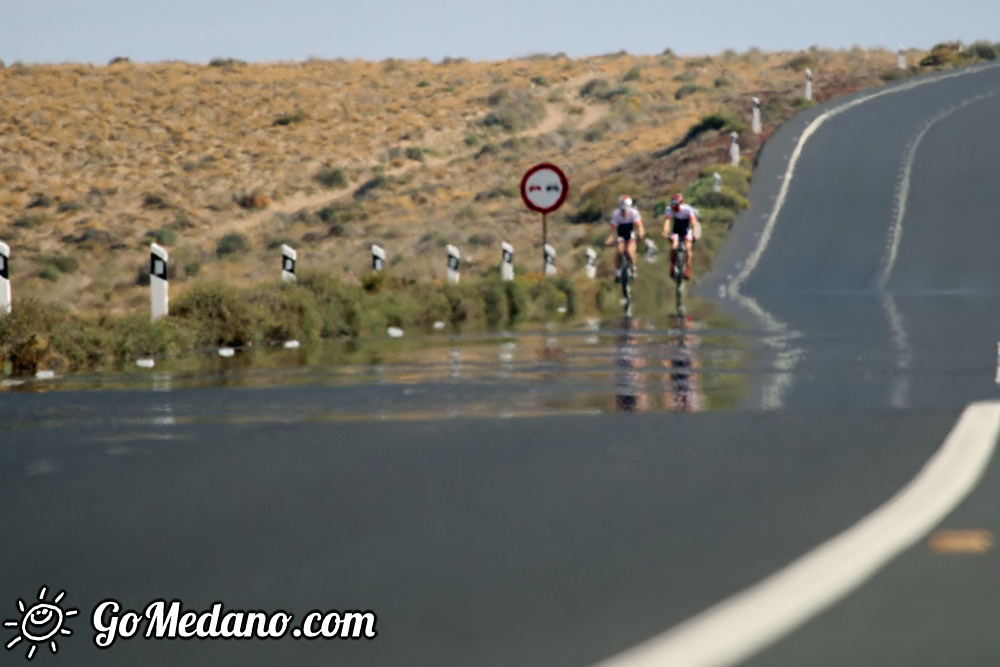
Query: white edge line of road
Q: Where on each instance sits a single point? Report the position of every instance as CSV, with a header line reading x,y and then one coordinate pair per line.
x,y
742,625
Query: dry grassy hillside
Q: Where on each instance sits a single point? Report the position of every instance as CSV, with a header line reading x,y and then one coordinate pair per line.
x,y
222,163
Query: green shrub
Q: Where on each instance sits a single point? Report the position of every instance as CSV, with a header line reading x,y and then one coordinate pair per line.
x,y
597,202
49,272
737,178
136,336
296,116
514,111
29,220
633,74
686,91
946,53
232,243
64,264
800,62
603,90
164,235
331,177
370,185
981,50
720,120
540,81
686,76
225,62
893,74
154,201
287,312
415,153
722,82
217,314
481,239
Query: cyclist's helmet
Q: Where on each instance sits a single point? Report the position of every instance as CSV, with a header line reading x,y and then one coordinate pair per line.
x,y
624,202
676,201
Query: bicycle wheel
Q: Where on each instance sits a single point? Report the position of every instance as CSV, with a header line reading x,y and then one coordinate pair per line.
x,y
625,277
679,272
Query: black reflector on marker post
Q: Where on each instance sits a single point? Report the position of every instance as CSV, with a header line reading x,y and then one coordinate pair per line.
x,y
4,278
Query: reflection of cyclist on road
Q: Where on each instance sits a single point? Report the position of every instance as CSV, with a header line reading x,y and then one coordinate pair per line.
x,y
683,393
629,394
626,225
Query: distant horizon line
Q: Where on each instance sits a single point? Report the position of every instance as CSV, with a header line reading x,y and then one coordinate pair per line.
x,y
458,59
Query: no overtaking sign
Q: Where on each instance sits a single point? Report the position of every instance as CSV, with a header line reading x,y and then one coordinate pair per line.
x,y
544,188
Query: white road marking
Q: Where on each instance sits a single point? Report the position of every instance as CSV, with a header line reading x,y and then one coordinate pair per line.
x,y
736,628
903,191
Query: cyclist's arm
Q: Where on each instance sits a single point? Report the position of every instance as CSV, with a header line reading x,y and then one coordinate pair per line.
x,y
695,228
641,229
611,237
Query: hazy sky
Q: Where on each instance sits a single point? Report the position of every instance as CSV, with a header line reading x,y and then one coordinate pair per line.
x,y
260,30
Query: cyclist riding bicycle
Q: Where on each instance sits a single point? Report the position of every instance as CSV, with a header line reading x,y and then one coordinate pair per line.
x,y
681,222
626,225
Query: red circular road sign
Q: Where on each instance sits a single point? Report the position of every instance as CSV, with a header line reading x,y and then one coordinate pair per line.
x,y
544,188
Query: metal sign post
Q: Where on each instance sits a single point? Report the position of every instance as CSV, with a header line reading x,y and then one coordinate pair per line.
x,y
544,189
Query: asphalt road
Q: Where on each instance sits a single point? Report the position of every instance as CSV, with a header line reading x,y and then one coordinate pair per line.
x,y
564,539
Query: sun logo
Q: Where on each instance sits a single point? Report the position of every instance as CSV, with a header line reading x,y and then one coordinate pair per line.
x,y
40,624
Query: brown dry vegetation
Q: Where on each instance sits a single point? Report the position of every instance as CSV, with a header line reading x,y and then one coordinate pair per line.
x,y
330,156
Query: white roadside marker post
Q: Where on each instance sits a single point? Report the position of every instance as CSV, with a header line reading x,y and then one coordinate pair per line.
x,y
454,256
734,149
378,258
755,118
288,257
507,262
809,85
5,303
717,182
158,285
900,58
550,261
591,263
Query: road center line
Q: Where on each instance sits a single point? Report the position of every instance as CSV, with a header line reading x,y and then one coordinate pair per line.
x,y
903,191
736,628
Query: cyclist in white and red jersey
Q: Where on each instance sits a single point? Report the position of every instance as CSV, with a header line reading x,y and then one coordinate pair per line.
x,y
681,222
626,225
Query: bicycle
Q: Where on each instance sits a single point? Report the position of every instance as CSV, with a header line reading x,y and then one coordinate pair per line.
x,y
680,267
625,278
